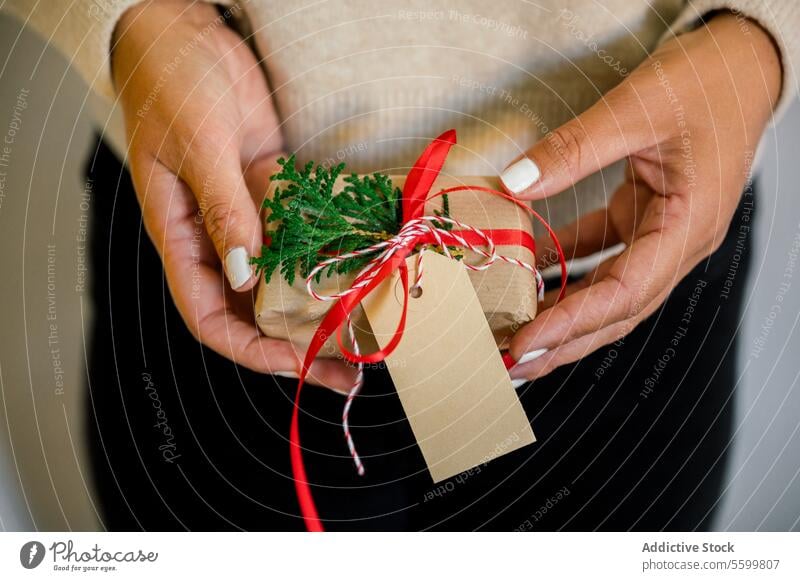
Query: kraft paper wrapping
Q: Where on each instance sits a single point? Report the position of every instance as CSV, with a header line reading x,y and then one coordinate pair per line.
x,y
507,293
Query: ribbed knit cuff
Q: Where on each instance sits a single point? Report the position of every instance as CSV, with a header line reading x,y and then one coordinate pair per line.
x,y
780,18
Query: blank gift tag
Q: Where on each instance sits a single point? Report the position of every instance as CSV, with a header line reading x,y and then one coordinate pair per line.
x,y
447,370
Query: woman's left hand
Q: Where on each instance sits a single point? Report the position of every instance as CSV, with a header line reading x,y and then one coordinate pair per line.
x,y
688,120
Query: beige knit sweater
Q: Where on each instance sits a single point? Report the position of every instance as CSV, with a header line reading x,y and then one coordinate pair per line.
x,y
368,82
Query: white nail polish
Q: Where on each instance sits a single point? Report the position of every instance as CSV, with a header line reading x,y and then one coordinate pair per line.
x,y
520,175
531,355
515,383
237,266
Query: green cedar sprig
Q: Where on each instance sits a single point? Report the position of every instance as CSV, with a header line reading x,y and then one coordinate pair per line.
x,y
307,220
311,221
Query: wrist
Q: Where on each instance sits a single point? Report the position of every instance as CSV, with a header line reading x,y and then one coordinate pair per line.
x,y
158,15
749,50
146,23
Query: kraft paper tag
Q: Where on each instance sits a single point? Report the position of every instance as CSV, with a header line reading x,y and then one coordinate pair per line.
x,y
447,370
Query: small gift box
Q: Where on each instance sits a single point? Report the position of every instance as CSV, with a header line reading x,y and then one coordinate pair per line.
x,y
507,293
335,247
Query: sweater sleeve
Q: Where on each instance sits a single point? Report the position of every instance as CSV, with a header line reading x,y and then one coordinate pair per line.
x,y
82,31
780,18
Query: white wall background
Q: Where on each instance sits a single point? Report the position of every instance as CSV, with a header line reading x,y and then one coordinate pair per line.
x,y
44,483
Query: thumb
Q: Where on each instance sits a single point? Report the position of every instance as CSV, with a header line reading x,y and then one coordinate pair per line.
x,y
231,220
606,132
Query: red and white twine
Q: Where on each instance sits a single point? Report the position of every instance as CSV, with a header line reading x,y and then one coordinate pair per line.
x,y
411,230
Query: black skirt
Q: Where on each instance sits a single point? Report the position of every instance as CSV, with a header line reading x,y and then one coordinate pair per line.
x,y
633,437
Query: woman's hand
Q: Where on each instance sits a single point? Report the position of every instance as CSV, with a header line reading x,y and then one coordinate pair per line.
x,y
201,129
688,121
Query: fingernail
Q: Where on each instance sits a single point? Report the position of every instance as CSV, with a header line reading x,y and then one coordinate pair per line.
x,y
515,383
520,175
237,266
531,355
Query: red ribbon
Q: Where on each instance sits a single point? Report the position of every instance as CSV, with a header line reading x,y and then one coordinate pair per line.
x,y
415,194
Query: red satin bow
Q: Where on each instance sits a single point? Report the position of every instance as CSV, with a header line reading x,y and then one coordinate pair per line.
x,y
415,194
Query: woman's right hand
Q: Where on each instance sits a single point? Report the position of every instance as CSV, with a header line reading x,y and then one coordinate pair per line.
x,y
201,129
